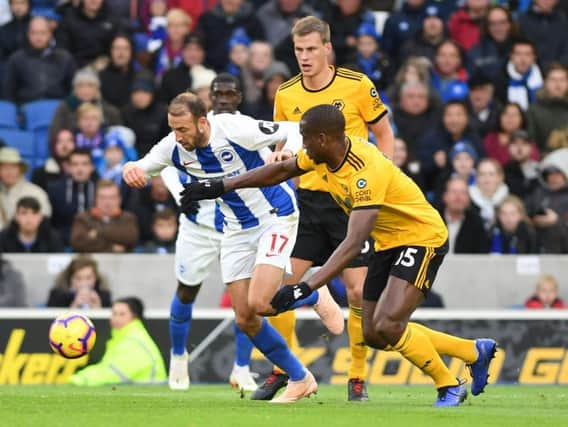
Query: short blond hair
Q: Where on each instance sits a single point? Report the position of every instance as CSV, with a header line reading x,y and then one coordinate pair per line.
x,y
178,15
312,24
547,278
87,108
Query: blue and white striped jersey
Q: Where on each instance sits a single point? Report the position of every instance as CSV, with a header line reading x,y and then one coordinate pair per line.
x,y
234,148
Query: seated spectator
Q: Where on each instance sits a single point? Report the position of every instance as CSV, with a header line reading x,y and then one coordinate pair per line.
x,y
411,71
548,116
425,42
512,233
12,286
217,25
263,108
89,133
547,206
201,84
497,31
146,116
80,286
39,70
13,33
466,233
30,231
546,295
239,44
114,157
512,119
131,355
117,77
489,190
14,186
58,164
449,76
462,161
86,88
252,76
145,203
547,27
72,193
156,21
164,233
87,31
521,171
484,107
521,78
406,162
464,25
105,227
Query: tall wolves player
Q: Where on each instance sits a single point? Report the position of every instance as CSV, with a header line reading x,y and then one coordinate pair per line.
x,y
260,225
198,245
410,243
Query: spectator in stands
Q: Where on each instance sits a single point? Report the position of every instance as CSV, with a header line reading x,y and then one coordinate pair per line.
x,y
167,53
401,26
489,56
131,355
464,25
346,17
153,16
278,17
253,74
512,233
114,156
145,203
12,286
547,28
40,70
466,233
58,164
117,77
238,52
407,163
546,295
87,31
511,120
217,25
489,190
201,85
411,71
435,145
13,33
521,78
414,114
484,108
29,231
14,186
547,206
80,286
73,193
521,171
164,232
449,76
425,42
86,88
263,108
193,8
548,116
146,116
105,227
89,133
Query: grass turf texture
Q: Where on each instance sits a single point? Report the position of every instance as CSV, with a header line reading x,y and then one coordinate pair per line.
x,y
208,406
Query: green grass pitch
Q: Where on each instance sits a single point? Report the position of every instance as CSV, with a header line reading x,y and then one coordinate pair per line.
x,y
212,406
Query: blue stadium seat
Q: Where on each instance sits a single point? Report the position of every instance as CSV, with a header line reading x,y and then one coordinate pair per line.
x,y
22,140
37,119
8,115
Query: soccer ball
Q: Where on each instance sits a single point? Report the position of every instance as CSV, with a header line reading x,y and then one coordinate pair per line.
x,y
72,335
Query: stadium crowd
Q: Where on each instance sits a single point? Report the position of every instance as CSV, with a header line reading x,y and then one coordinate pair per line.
x,y
477,93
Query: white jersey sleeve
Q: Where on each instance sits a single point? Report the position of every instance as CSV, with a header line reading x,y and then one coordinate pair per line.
x,y
256,134
170,175
159,157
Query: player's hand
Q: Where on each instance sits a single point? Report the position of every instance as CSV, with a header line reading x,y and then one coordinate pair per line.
x,y
279,156
189,207
194,191
133,176
287,295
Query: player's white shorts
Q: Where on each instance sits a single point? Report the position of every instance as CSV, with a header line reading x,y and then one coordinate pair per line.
x,y
269,243
197,247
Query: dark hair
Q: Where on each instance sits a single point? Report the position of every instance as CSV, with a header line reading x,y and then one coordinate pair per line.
x,y
524,41
485,23
135,305
125,36
524,123
226,78
456,102
187,103
81,152
55,137
324,118
28,203
165,214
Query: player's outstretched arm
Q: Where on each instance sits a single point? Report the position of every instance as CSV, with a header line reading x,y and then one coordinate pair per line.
x,y
133,175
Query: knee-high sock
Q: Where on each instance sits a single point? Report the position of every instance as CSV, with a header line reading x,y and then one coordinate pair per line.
x,y
273,346
448,344
357,347
417,348
180,322
285,323
243,346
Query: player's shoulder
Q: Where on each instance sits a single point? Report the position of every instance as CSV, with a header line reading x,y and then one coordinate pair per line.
x,y
295,81
346,73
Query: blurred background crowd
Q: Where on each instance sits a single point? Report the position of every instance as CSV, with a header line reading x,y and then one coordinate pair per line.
x,y
477,91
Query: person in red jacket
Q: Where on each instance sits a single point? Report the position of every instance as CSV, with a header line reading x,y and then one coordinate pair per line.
x,y
465,23
546,295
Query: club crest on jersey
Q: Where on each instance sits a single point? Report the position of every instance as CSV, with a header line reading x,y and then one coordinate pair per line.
x,y
339,104
227,156
362,183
